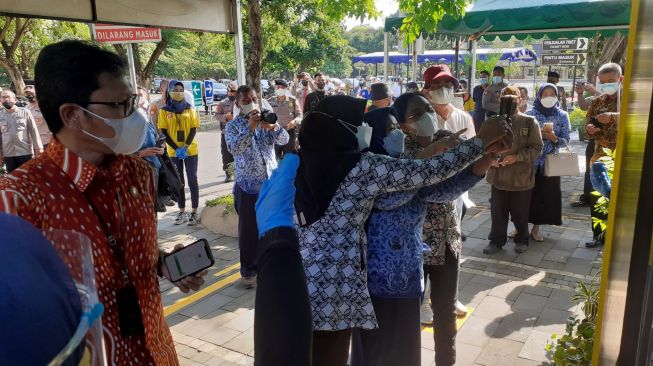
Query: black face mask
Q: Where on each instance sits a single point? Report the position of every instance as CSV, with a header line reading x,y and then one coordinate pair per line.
x,y
8,105
320,85
232,98
30,98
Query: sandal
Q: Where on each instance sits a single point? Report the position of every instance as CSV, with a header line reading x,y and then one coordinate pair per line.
x,y
512,234
538,238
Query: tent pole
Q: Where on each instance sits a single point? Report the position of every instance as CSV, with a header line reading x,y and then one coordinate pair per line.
x,y
455,60
386,56
509,73
472,67
132,67
238,43
573,88
415,60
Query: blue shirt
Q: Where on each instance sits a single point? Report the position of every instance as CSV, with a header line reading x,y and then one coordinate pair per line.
x,y
394,236
365,94
561,127
150,141
253,152
479,112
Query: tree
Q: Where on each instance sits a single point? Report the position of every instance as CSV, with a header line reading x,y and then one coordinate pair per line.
x,y
603,50
365,39
12,31
422,16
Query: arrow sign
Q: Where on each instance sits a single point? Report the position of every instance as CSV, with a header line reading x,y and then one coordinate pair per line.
x,y
564,59
208,91
196,88
574,44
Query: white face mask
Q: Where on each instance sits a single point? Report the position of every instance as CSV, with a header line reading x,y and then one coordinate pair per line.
x,y
608,88
280,92
549,102
393,143
426,124
441,96
129,132
364,136
247,108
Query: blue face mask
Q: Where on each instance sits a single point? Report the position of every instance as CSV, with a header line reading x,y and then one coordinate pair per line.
x,y
393,143
497,79
483,81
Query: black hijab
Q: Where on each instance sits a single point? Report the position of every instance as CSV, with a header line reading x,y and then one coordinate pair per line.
x,y
379,119
329,150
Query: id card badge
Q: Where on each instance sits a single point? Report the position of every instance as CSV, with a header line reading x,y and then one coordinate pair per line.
x,y
129,312
181,136
3,127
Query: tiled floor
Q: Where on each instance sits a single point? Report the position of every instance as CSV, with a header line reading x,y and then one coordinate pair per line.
x,y
519,300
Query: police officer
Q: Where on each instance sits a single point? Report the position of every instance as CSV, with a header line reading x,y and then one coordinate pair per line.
x,y
225,113
289,116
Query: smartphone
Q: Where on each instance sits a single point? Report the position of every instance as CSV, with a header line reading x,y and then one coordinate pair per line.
x,y
192,259
160,141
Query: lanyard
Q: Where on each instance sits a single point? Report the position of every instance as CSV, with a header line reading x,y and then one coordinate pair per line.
x,y
115,247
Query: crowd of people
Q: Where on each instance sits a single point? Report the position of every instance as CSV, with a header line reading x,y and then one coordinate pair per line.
x,y
349,210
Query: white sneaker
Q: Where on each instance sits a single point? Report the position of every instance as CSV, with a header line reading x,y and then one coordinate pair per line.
x,y
426,313
461,310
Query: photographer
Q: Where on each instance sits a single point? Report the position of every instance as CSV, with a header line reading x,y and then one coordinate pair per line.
x,y
251,137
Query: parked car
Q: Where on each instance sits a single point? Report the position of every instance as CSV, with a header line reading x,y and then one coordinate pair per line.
x,y
219,91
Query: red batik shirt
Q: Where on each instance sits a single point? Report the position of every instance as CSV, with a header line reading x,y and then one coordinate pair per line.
x,y
52,192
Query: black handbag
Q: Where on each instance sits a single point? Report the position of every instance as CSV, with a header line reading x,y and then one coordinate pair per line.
x,y
169,181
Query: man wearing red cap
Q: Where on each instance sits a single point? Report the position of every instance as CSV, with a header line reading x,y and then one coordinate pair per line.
x,y
442,224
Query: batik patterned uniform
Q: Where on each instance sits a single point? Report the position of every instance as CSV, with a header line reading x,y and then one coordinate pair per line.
x,y
53,192
334,247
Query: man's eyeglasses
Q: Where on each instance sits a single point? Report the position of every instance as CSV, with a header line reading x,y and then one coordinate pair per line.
x,y
129,105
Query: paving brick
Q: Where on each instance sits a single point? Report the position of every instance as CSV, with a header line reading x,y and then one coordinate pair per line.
x,y
529,304
206,306
476,331
466,354
552,321
515,326
243,343
241,322
493,308
560,299
509,290
500,352
534,347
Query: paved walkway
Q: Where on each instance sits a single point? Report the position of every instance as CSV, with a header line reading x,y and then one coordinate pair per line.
x,y
518,301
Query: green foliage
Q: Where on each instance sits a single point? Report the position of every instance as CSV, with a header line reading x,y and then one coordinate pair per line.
x,y
577,119
483,65
576,345
422,16
227,201
365,39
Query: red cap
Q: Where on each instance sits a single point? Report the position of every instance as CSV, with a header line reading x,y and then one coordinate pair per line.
x,y
439,72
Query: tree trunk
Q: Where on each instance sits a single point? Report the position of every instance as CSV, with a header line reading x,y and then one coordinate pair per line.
x,y
14,74
145,75
613,49
255,44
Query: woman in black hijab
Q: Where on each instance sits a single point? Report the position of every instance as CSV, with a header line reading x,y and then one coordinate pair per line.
x,y
336,188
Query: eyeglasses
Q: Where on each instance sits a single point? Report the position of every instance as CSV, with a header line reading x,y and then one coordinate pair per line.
x,y
129,105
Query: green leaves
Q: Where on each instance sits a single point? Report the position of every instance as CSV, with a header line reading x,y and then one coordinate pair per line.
x,y
423,16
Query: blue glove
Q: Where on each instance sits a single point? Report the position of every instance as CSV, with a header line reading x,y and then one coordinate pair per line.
x,y
600,179
182,153
274,206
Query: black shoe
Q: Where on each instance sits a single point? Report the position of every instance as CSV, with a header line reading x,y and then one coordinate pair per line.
x,y
228,177
521,248
580,203
463,237
593,244
169,202
491,249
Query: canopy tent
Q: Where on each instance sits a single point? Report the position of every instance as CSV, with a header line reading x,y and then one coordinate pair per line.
x,y
535,18
447,56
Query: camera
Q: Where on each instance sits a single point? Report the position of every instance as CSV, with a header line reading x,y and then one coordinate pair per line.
x,y
269,117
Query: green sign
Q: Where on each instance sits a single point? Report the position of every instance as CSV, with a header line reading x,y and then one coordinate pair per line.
x,y
196,89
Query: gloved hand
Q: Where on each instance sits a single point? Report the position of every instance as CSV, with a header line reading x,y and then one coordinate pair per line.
x,y
182,153
600,179
274,206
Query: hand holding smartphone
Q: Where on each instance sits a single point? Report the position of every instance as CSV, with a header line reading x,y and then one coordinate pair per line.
x,y
189,260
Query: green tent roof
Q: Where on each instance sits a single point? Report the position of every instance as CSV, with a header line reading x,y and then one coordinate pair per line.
x,y
537,18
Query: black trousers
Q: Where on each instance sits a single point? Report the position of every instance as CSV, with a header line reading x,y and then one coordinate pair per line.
x,y
247,231
282,321
13,162
290,147
587,184
331,348
397,339
227,158
505,205
444,294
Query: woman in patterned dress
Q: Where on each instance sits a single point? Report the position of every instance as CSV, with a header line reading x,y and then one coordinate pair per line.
x,y
546,201
336,189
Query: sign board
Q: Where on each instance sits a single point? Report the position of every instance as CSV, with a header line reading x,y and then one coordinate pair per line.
x,y
564,59
196,89
555,45
208,91
109,33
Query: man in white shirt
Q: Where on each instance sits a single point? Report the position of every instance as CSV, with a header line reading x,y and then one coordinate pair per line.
x,y
398,88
